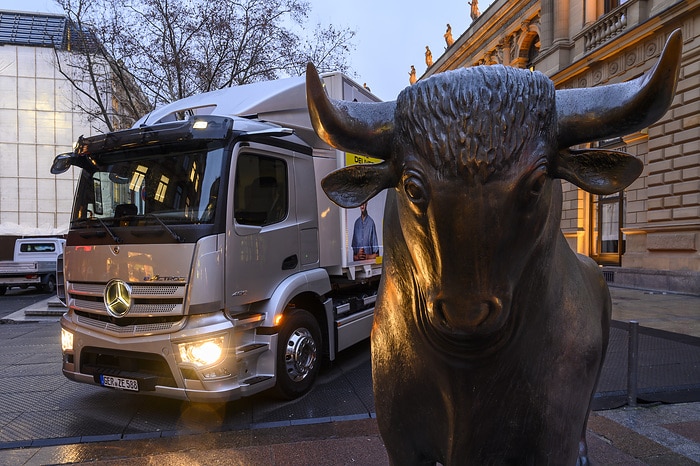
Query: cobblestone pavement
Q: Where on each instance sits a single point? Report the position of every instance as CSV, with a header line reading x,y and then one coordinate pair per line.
x,y
46,419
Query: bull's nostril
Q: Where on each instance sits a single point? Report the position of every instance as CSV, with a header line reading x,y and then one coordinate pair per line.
x,y
439,312
493,305
485,308
481,314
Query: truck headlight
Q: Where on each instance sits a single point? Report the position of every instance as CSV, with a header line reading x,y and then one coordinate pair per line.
x,y
202,353
66,340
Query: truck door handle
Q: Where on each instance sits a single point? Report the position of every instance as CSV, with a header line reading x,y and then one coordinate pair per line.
x,y
290,262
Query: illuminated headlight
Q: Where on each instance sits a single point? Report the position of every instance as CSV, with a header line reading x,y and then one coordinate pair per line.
x,y
202,353
66,340
200,124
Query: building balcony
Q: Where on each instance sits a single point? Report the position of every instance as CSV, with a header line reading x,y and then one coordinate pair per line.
x,y
607,27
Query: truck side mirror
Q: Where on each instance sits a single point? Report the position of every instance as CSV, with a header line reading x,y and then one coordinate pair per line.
x,y
62,163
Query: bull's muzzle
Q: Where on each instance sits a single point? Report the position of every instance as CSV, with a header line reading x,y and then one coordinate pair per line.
x,y
475,317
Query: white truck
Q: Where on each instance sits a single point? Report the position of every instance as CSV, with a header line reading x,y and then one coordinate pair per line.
x,y
203,261
33,264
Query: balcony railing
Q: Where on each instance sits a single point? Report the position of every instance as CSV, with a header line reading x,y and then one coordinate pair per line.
x,y
606,28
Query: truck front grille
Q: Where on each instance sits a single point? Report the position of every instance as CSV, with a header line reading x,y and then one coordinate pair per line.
x,y
137,309
125,326
155,308
148,290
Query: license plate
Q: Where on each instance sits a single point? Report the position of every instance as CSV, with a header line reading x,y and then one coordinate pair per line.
x,y
119,382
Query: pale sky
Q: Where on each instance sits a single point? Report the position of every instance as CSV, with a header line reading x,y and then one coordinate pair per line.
x,y
391,34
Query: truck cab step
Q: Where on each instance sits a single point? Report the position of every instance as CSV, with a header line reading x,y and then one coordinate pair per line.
x,y
256,379
251,349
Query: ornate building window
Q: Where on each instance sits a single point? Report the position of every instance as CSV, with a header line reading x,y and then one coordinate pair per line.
x,y
532,52
607,242
607,239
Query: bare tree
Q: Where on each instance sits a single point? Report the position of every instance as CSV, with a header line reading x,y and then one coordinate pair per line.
x,y
158,51
328,50
107,92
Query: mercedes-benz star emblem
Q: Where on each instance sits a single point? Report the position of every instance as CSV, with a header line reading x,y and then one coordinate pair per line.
x,y
117,298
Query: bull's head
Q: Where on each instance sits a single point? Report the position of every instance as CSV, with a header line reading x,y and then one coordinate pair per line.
x,y
473,155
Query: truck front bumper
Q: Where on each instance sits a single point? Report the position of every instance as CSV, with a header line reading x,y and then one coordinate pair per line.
x,y
157,368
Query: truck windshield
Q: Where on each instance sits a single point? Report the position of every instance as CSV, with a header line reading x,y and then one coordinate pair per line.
x,y
172,188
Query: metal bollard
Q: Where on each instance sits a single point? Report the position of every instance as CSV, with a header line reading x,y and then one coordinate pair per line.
x,y
632,362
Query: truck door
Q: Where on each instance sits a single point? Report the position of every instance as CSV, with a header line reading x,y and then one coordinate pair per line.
x,y
262,241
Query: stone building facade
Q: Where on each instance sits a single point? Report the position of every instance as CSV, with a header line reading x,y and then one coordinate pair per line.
x,y
649,235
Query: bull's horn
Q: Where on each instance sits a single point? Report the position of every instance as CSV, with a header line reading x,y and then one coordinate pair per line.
x,y
361,127
595,113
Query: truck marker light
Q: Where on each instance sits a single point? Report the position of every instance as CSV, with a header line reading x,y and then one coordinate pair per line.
x,y
202,353
217,374
66,340
278,319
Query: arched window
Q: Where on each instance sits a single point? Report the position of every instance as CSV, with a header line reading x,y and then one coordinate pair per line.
x,y
533,51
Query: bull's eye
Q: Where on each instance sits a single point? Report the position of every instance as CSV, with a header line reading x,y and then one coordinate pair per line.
x,y
537,185
536,181
413,186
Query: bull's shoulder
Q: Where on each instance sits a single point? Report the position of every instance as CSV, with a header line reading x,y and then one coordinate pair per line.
x,y
592,271
581,277
588,265
589,284
579,267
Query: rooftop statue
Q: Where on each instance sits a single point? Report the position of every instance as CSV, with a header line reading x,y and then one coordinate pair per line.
x,y
448,36
475,13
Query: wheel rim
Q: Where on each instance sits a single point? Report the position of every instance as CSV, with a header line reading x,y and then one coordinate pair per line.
x,y
300,354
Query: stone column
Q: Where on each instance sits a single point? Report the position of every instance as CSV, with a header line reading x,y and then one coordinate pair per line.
x,y
561,21
547,23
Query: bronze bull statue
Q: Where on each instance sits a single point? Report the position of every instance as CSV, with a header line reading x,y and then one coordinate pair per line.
x,y
489,331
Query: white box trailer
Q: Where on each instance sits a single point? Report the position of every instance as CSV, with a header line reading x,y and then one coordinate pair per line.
x,y
203,261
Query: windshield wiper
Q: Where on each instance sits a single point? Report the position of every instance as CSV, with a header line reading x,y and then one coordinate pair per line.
x,y
83,221
175,236
115,238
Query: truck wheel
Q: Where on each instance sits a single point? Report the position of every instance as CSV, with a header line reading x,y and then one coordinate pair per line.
x,y
50,285
3,289
298,354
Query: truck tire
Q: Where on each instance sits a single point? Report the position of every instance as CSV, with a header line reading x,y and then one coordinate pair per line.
x,y
3,289
298,354
50,285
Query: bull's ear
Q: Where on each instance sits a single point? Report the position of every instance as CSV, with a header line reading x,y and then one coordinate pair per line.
x,y
351,186
597,171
